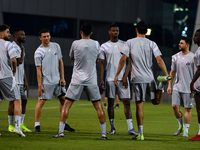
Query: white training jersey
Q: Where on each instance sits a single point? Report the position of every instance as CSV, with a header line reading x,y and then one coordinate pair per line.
x,y
184,67
196,64
85,53
19,76
140,51
6,54
48,58
111,53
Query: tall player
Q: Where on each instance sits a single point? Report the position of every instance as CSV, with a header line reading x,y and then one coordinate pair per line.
x,y
140,50
110,52
8,87
50,75
20,76
84,52
183,68
195,84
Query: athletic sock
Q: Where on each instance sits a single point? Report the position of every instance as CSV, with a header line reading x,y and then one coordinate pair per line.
x,y
103,127
112,124
61,127
180,121
10,119
129,123
22,118
187,127
140,129
37,124
17,122
199,129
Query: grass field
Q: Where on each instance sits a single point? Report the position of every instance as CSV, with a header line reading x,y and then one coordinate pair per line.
x,y
159,126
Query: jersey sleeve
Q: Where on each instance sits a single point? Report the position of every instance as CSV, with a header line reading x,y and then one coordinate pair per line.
x,y
38,57
98,48
198,59
102,53
173,66
59,52
126,49
13,51
156,50
71,52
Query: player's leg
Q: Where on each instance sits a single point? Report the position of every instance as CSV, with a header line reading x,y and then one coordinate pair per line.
x,y
11,127
197,101
38,113
117,101
187,119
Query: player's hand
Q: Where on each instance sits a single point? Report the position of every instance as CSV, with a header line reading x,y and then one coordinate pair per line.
x,y
192,87
40,91
169,91
25,86
125,83
115,81
102,85
62,82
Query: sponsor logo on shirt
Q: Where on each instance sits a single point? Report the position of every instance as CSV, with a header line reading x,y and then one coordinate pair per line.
x,y
55,53
187,63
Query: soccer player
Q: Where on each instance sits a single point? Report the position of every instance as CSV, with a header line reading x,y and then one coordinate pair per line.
x,y
140,50
8,88
195,84
84,52
16,45
183,68
50,75
110,53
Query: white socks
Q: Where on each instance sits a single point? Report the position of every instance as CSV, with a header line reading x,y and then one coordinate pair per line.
x,y
103,127
17,122
37,124
61,127
10,120
140,129
129,123
22,118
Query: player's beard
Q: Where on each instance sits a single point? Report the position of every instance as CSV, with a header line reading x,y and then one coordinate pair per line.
x,y
6,38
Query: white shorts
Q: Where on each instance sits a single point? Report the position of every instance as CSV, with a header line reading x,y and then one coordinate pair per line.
x,y
51,90
182,99
74,92
141,89
22,92
9,89
111,89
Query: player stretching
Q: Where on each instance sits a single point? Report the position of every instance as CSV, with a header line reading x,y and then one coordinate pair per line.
x,y
84,53
183,68
110,52
195,84
140,50
50,75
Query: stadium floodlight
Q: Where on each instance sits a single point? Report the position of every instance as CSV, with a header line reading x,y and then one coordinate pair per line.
x,y
148,32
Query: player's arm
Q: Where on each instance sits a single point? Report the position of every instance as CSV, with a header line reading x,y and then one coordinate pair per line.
x,y
25,81
61,69
125,81
120,66
72,58
39,80
161,64
196,76
102,62
14,65
172,74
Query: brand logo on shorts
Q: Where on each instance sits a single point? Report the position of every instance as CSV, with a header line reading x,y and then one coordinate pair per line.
x,y
55,53
187,63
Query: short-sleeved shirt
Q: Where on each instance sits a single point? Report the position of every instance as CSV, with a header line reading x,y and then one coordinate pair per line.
x,y
196,64
19,76
184,67
111,52
6,54
85,53
48,58
140,51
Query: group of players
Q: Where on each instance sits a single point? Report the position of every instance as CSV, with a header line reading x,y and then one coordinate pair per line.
x,y
119,57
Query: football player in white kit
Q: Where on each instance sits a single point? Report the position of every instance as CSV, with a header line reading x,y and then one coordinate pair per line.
x,y
84,52
110,53
140,50
183,68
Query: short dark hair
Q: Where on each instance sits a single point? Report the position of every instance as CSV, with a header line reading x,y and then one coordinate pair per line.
x,y
86,28
17,30
142,27
44,30
113,25
3,27
198,30
187,40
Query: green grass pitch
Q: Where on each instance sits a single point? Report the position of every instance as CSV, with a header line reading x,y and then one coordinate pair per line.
x,y
159,127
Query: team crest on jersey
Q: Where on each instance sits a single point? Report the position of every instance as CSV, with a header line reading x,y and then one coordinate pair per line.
x,y
55,53
187,63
